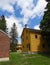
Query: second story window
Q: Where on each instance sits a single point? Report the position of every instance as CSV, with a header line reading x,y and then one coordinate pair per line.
x,y
35,36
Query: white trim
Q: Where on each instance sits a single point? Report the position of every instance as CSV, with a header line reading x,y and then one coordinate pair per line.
x,y
4,59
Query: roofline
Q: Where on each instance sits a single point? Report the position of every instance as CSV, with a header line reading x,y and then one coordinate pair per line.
x,y
31,31
34,30
4,32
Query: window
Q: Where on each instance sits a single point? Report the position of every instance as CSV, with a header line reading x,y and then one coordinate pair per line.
x,y
23,46
28,46
35,36
43,45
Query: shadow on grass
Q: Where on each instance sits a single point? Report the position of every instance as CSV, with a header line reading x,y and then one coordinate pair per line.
x,y
45,54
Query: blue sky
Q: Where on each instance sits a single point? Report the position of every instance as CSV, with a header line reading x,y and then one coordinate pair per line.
x,y
22,12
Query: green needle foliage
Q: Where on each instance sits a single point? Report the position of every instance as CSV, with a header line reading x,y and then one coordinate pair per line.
x,y
3,23
45,24
14,37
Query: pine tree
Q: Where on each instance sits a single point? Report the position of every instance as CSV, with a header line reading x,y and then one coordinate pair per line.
x,y
45,24
14,36
3,23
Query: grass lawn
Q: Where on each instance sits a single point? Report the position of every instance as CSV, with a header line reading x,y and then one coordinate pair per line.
x,y
27,59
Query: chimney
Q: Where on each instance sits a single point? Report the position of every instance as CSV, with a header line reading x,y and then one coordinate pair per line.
x,y
25,25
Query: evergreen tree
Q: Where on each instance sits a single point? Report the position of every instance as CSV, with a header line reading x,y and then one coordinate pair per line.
x,y
45,24
3,23
14,36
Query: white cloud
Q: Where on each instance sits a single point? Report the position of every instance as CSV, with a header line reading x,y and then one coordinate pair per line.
x,y
26,6
36,27
25,20
40,7
6,5
29,10
25,3
10,21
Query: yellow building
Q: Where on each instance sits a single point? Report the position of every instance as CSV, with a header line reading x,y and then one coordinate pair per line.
x,y
32,41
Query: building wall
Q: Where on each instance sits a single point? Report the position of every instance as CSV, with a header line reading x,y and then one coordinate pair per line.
x,y
33,42
37,43
4,45
25,40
